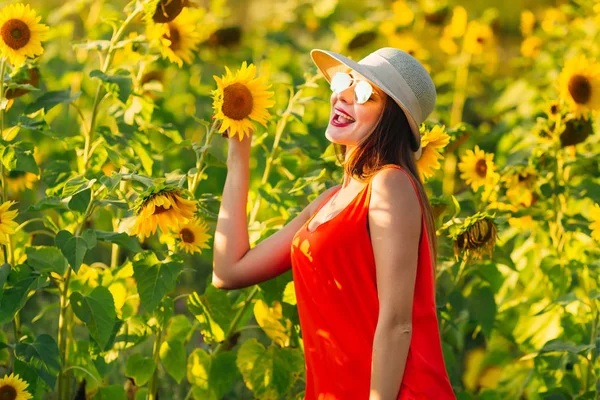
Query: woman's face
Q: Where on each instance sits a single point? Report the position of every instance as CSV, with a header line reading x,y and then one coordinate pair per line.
x,y
365,116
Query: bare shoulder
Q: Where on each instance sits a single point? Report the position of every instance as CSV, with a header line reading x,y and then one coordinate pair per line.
x,y
392,189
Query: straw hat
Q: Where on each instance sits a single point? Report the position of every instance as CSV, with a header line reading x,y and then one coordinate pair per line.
x,y
394,71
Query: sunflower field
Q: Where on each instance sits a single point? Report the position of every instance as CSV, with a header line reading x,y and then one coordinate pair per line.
x,y
115,119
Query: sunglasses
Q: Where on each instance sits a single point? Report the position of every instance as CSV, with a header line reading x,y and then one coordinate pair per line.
x,y
342,81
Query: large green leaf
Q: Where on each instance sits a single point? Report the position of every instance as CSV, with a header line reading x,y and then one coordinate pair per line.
x,y
46,259
15,296
211,376
19,157
120,238
140,368
118,85
49,100
112,392
41,355
154,278
72,247
214,312
97,311
269,372
172,355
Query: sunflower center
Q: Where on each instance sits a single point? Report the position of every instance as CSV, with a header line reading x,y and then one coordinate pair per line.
x,y
237,101
159,210
580,89
480,40
481,168
8,392
167,10
175,38
15,33
187,235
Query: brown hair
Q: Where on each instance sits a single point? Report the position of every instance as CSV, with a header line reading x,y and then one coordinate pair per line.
x,y
391,142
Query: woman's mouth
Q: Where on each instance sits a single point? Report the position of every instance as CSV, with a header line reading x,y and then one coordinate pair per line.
x,y
340,120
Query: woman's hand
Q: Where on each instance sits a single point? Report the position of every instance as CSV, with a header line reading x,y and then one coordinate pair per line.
x,y
238,148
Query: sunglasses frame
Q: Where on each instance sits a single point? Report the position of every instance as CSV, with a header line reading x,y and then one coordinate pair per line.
x,y
365,89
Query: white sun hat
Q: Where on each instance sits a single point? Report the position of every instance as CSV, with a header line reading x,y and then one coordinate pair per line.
x,y
397,73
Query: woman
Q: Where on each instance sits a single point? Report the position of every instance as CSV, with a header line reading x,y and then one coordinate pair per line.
x,y
362,253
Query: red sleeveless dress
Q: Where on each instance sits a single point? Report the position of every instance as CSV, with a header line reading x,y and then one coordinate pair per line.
x,y
333,269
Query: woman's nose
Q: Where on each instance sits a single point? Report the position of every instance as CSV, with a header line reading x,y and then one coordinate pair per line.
x,y
347,95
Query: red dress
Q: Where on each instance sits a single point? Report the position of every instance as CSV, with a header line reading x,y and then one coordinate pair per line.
x,y
336,291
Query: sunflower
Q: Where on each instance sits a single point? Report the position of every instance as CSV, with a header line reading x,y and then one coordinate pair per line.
x,y
475,236
7,225
13,388
19,181
239,98
408,43
179,38
595,218
193,236
531,46
434,139
478,37
162,206
579,85
477,167
20,33
520,186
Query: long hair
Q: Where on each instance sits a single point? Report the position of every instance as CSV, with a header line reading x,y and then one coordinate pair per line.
x,y
391,142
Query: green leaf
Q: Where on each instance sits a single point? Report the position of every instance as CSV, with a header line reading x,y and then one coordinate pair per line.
x,y
268,372
179,328
49,100
19,157
42,355
143,155
46,203
482,306
15,297
120,238
140,368
172,355
46,259
118,85
112,392
72,247
80,201
214,312
4,271
561,346
154,278
97,311
198,368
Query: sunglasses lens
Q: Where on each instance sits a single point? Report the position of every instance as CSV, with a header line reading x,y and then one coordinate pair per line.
x,y
340,82
362,91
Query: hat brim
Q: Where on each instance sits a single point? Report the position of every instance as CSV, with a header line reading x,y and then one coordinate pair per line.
x,y
329,62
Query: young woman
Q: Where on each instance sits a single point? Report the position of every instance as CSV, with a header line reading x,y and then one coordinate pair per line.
x,y
362,253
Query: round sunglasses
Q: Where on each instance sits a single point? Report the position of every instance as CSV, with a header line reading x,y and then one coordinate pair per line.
x,y
342,81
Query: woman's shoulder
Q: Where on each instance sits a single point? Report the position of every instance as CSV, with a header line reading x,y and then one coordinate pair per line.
x,y
395,187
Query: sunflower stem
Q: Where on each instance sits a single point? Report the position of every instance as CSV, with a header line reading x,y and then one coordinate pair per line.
x,y
236,320
200,160
97,99
153,385
64,389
